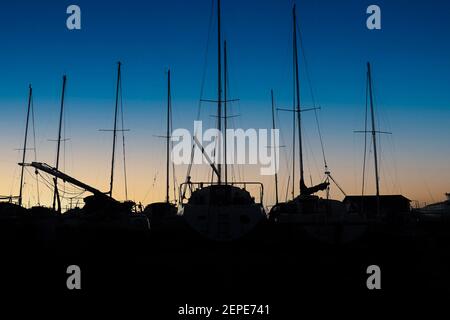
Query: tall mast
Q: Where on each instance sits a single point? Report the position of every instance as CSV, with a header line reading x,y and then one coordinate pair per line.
x,y
274,148
219,94
35,153
369,79
114,130
25,143
123,144
225,71
168,135
297,90
293,147
55,180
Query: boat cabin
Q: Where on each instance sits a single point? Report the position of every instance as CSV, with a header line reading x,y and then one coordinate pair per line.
x,y
390,205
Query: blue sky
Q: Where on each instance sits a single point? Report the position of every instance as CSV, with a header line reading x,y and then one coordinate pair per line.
x,y
410,56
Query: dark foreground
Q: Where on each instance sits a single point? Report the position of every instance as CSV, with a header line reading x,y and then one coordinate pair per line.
x,y
157,272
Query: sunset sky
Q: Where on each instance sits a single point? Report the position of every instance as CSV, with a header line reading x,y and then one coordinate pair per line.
x,y
410,59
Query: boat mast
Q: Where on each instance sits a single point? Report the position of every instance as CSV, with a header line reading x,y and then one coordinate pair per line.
x,y
293,147
225,71
25,143
369,79
55,179
219,94
35,153
274,148
297,90
114,130
123,144
168,135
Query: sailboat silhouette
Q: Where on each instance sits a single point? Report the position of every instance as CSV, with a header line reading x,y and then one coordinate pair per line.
x,y
322,219
221,210
162,214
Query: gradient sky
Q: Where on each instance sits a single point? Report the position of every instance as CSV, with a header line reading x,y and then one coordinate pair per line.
x,y
410,58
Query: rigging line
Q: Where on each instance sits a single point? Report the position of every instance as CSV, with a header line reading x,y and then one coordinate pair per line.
x,y
202,87
65,196
31,176
365,138
286,156
46,183
49,185
14,175
234,109
287,189
386,167
74,196
25,145
293,124
394,152
35,152
233,122
308,77
123,141
64,144
320,138
171,145
283,142
309,146
74,190
227,110
428,191
313,98
205,60
387,174
381,158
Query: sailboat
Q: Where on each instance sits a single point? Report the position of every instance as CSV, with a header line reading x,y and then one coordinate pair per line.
x,y
441,209
44,216
321,219
376,208
220,210
163,213
101,207
435,217
10,211
101,210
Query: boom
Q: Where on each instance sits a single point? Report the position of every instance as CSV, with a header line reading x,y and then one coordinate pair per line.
x,y
66,178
